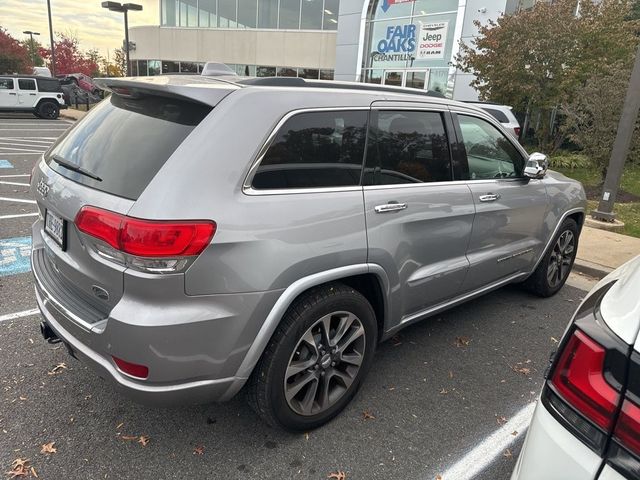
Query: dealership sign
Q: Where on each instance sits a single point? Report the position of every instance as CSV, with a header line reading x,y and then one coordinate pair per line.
x,y
431,40
406,42
387,3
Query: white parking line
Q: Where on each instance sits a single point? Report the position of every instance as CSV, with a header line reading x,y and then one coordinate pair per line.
x,y
21,153
14,183
490,448
24,313
19,200
18,215
18,151
13,176
26,139
16,144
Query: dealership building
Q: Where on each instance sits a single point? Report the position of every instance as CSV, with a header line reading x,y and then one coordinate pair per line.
x,y
393,42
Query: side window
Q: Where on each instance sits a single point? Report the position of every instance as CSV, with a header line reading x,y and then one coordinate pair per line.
x,y
490,154
6,83
26,84
407,147
313,150
497,114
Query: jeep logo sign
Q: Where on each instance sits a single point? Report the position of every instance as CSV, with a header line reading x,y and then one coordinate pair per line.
x,y
432,40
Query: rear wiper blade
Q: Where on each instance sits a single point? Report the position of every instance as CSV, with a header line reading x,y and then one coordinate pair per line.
x,y
75,168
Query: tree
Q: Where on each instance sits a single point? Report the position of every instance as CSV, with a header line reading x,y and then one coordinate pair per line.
x,y
94,57
536,59
14,57
120,60
591,118
69,57
34,51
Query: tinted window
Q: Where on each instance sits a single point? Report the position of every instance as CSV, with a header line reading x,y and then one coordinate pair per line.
x,y
6,83
497,114
407,147
247,13
311,15
49,85
490,154
125,142
316,149
290,14
26,84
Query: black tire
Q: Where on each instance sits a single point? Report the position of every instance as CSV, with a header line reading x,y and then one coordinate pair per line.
x,y
48,110
266,387
542,282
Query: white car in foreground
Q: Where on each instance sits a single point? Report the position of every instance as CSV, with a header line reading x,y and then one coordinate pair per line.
x,y
587,424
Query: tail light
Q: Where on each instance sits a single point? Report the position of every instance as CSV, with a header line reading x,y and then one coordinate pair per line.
x,y
151,245
594,388
579,379
517,131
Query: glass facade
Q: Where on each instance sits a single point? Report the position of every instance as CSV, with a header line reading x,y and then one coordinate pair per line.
x,y
410,44
157,67
241,14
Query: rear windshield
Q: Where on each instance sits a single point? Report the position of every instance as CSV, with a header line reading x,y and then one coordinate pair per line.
x,y
125,142
497,114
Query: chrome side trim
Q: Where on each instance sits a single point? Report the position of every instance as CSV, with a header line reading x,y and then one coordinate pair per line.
x,y
246,185
409,319
555,231
290,294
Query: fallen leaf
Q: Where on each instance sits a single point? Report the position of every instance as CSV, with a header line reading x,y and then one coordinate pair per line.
x,y
507,453
514,433
48,448
19,468
33,472
501,420
58,369
143,440
198,450
119,425
129,437
462,341
339,475
450,374
367,415
438,477
306,436
444,392
554,339
396,341
522,370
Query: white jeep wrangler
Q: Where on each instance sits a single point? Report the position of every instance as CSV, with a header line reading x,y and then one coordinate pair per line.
x,y
25,93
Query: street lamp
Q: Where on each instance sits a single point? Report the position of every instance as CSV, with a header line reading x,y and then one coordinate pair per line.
x,y
53,49
124,8
33,53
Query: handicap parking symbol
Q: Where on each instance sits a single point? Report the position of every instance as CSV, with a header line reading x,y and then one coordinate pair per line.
x,y
15,255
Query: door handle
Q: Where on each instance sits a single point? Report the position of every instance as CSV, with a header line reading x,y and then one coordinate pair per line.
x,y
489,197
32,94
390,207
12,94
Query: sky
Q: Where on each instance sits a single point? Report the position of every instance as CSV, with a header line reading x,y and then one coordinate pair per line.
x,y
93,25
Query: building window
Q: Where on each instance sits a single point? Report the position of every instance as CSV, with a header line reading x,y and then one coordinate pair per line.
x,y
287,72
311,18
188,67
227,10
326,74
310,73
262,71
170,12
289,14
247,13
267,14
207,14
330,20
154,67
142,68
246,70
134,68
170,67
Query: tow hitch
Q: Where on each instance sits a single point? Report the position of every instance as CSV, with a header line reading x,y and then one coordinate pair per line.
x,y
48,333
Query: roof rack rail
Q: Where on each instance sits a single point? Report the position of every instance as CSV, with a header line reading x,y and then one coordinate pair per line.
x,y
301,82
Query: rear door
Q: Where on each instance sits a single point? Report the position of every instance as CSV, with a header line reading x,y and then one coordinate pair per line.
x,y
418,219
121,145
510,208
27,92
8,94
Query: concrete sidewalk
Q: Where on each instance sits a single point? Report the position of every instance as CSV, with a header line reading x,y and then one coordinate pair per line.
x,y
72,114
601,252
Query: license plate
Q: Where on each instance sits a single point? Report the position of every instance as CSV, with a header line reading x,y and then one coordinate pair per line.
x,y
54,226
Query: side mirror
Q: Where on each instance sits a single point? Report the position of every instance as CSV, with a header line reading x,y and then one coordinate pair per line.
x,y
537,166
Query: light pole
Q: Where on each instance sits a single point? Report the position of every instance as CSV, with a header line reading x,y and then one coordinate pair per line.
x,y
621,147
124,8
33,53
53,49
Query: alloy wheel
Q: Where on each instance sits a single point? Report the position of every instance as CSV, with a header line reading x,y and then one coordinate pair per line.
x,y
561,258
325,363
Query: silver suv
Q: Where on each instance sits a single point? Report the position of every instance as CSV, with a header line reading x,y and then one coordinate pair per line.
x,y
199,235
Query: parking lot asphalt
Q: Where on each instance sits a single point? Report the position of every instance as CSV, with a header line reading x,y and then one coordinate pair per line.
x,y
436,393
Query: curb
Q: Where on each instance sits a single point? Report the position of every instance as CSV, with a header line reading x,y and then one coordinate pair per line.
x,y
592,269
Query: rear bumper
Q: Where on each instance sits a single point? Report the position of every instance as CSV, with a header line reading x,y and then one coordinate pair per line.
x,y
201,391
193,346
551,452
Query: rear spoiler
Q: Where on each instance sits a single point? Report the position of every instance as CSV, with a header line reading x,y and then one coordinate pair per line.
x,y
190,88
